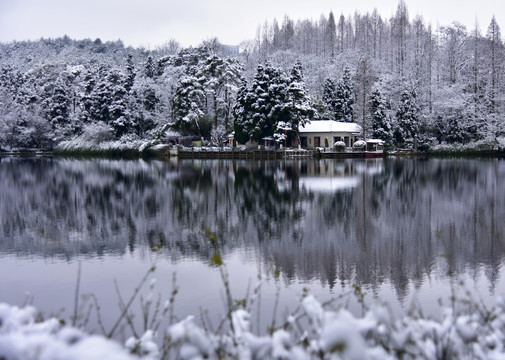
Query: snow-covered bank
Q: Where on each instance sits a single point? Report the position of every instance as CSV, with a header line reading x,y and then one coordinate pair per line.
x,y
122,148
474,148
467,330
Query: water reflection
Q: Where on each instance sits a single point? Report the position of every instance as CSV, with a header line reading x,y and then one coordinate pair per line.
x,y
365,221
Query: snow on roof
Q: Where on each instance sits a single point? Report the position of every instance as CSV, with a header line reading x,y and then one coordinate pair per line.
x,y
375,141
318,126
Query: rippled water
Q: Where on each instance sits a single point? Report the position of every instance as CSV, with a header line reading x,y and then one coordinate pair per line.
x,y
407,231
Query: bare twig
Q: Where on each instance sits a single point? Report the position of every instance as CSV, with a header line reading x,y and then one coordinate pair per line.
x,y
276,304
76,298
123,308
98,313
130,301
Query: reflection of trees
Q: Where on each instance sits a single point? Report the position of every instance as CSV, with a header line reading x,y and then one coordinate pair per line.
x,y
414,219
401,220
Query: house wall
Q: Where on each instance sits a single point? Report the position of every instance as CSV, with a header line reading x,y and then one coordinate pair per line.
x,y
312,139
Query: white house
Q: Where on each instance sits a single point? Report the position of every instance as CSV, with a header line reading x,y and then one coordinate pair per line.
x,y
325,133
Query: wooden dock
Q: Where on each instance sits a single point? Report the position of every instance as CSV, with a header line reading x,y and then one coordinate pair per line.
x,y
241,154
27,153
262,154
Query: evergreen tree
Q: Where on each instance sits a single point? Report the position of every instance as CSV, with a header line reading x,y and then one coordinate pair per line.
x,y
149,68
300,107
279,105
118,108
260,108
188,102
257,121
241,113
407,126
381,125
87,96
57,103
344,100
101,96
329,96
130,73
455,132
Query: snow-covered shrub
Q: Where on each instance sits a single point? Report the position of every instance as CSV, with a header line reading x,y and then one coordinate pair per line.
x,y
337,334
22,337
339,146
465,331
98,132
359,145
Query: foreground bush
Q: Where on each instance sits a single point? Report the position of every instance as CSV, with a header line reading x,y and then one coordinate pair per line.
x,y
312,332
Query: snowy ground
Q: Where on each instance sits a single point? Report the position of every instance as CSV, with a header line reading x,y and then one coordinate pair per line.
x,y
467,330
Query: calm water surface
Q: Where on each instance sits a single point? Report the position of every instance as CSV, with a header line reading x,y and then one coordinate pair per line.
x,y
406,231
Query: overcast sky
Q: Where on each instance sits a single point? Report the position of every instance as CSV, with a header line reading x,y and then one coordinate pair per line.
x,y
152,22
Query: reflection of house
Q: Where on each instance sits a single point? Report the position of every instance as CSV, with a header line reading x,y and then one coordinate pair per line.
x,y
325,133
328,184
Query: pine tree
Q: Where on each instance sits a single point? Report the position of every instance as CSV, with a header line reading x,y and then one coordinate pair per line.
x,y
344,101
241,113
455,132
329,96
130,73
58,104
260,108
407,126
256,121
87,98
119,116
279,105
101,96
300,107
188,102
381,125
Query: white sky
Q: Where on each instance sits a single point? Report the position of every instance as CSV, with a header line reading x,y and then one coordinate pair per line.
x,y
152,22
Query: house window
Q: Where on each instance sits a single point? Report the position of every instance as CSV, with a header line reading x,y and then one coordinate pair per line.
x,y
346,141
303,141
337,138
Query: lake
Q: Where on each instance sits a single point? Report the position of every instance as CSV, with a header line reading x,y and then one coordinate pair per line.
x,y
405,231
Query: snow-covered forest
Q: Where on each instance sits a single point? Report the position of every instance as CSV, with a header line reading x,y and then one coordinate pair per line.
x,y
405,80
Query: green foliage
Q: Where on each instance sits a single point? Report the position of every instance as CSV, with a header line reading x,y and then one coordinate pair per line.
x,y
216,260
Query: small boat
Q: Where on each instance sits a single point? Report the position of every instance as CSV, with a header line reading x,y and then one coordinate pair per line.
x,y
374,148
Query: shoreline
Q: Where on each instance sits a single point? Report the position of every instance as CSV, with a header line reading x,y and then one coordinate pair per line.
x,y
252,154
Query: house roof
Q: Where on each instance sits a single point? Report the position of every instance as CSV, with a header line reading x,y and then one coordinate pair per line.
x,y
322,126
